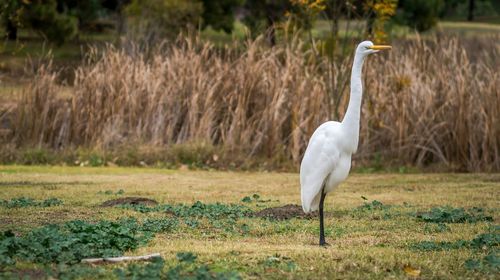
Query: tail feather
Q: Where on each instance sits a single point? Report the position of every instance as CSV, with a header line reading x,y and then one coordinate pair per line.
x,y
310,202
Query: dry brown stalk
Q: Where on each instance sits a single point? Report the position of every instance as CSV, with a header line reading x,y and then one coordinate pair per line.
x,y
428,101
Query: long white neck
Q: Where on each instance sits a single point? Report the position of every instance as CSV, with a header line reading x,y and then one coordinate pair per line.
x,y
350,123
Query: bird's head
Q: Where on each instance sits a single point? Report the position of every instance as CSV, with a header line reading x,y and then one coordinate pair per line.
x,y
367,47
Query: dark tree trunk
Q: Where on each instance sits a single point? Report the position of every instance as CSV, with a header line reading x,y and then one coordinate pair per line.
x,y
121,19
369,23
472,7
11,29
335,19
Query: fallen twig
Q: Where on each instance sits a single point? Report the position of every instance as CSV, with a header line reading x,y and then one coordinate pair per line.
x,y
121,259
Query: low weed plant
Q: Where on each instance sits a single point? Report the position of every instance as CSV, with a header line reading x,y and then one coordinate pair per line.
x,y
449,214
76,240
21,202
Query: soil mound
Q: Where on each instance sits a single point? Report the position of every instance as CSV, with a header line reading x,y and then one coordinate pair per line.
x,y
129,201
285,212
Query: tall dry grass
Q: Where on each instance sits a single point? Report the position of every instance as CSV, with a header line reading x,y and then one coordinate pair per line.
x,y
436,102
426,102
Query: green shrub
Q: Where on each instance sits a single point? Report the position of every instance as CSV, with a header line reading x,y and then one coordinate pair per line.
x,y
440,246
29,202
197,210
220,14
483,8
484,241
43,17
436,228
164,17
217,215
36,156
76,240
186,268
489,262
159,225
374,205
280,262
96,160
419,14
192,154
449,214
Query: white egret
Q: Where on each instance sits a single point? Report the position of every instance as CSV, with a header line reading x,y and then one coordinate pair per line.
x,y
327,159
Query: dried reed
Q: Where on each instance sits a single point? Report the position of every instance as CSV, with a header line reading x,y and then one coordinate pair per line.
x,y
426,102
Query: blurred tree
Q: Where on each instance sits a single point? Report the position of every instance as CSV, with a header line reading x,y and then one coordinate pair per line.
x,y
42,16
303,13
39,15
164,18
419,14
477,9
9,16
380,11
85,11
335,9
472,6
117,7
114,5
450,7
220,14
262,15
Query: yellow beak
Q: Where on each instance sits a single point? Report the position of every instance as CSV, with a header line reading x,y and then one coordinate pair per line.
x,y
380,47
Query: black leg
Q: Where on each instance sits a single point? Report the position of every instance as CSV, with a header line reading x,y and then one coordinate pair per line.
x,y
321,218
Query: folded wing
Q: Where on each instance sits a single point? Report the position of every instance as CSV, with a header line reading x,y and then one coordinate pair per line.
x,y
320,159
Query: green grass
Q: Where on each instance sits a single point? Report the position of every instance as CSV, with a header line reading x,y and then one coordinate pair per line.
x,y
372,223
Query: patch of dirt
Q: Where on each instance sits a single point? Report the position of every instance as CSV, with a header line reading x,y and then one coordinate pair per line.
x,y
129,201
285,212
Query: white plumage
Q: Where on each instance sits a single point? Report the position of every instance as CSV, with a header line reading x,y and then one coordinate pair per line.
x,y
323,160
327,159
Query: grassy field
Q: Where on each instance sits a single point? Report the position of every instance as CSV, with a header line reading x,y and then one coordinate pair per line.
x,y
379,225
